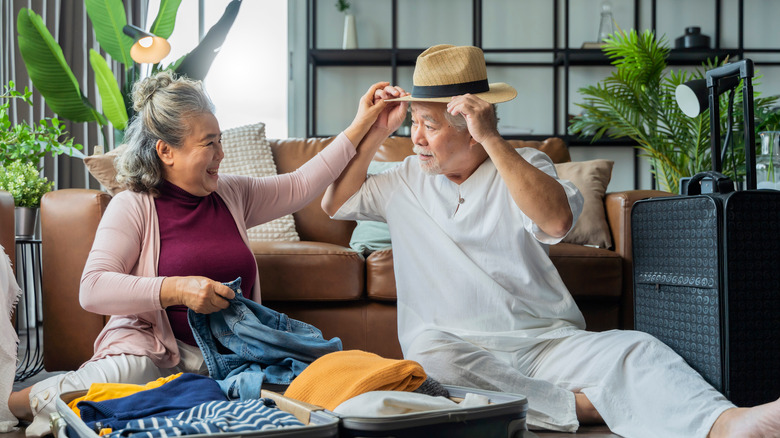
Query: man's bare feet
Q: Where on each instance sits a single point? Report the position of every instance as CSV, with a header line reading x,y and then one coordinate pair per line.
x,y
586,412
760,421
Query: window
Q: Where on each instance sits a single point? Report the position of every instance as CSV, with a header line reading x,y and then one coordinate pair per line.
x,y
248,79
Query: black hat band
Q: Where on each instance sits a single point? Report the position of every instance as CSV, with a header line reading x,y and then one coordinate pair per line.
x,y
425,91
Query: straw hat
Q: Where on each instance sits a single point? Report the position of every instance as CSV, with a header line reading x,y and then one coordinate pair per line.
x,y
445,71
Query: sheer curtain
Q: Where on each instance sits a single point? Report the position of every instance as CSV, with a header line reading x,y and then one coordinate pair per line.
x,y
69,24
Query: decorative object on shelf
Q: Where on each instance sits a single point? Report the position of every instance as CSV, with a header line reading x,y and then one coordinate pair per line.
x,y
637,101
693,39
350,28
54,79
607,23
768,161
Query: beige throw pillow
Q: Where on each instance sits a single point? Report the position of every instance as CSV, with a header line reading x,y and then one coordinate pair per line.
x,y
591,178
101,166
247,152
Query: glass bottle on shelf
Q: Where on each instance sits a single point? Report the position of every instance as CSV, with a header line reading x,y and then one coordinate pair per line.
x,y
768,162
607,23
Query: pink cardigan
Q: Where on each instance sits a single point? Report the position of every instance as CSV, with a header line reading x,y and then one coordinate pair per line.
x,y
120,276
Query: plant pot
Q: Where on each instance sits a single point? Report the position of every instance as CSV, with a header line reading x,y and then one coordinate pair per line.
x,y
350,33
26,219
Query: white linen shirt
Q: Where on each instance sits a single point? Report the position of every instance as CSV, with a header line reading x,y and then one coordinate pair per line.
x,y
478,269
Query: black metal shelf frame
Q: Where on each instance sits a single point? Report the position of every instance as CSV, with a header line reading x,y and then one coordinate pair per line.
x,y
563,57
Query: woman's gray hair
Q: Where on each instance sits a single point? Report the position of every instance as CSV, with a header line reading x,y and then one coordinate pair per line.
x,y
163,104
459,122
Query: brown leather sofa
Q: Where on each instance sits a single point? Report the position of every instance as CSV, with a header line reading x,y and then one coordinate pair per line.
x,y
7,228
319,280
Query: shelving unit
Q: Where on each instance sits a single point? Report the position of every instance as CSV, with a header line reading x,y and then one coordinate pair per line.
x,y
562,57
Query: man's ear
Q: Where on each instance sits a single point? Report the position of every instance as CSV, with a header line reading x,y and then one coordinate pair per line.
x,y
165,152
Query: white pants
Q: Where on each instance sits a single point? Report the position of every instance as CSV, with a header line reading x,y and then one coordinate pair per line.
x,y
641,387
123,368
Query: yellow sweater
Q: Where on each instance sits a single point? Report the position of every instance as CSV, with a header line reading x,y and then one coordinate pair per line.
x,y
336,377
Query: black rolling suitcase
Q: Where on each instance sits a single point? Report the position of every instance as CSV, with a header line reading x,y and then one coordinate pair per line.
x,y
707,281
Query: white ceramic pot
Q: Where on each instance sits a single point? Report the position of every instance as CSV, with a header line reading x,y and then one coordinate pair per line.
x,y
350,33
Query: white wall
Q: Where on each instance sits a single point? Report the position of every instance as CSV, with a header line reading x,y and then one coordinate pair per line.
x,y
521,24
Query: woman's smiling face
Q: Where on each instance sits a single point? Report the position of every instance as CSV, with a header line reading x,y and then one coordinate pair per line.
x,y
194,165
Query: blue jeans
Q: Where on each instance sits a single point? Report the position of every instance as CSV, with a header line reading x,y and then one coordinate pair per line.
x,y
264,345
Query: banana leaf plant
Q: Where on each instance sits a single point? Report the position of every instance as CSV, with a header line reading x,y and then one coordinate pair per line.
x,y
637,101
54,79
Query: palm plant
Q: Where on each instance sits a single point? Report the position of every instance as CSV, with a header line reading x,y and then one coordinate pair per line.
x,y
54,79
638,101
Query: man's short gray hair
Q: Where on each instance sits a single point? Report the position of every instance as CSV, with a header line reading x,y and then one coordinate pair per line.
x,y
459,122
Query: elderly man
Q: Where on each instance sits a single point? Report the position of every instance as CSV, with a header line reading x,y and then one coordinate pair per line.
x,y
480,304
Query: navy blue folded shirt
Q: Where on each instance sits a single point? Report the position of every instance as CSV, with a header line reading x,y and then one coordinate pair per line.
x,y
181,393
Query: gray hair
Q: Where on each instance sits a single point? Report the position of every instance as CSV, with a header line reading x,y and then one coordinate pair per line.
x,y
459,122
163,105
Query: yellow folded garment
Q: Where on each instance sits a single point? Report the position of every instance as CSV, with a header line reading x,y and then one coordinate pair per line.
x,y
110,391
337,377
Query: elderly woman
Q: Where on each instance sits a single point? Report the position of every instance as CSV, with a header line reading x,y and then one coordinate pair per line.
x,y
169,242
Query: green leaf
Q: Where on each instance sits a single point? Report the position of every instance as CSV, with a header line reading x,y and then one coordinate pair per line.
x,y
49,71
166,18
197,63
111,97
108,17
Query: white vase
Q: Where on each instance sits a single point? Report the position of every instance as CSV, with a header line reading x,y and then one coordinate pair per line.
x,y
350,33
26,219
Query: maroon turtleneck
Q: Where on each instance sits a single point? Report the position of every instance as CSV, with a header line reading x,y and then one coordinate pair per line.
x,y
198,236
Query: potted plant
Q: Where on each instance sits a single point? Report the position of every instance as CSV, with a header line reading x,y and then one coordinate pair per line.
x,y
637,101
22,146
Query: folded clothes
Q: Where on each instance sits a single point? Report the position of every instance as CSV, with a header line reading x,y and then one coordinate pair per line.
x,y
385,403
169,399
337,377
213,417
108,391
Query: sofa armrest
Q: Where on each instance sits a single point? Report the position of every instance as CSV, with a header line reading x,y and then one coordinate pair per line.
x,y
69,220
7,227
618,208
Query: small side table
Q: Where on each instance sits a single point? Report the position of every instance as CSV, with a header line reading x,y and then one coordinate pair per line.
x,y
29,312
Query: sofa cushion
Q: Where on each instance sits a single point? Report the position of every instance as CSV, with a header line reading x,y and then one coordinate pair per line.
x,y
592,178
602,267
101,167
308,271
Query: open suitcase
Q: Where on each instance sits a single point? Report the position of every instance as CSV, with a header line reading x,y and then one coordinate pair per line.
x,y
707,281
505,416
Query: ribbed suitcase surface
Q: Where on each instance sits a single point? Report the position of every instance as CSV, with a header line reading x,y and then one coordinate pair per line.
x,y
707,283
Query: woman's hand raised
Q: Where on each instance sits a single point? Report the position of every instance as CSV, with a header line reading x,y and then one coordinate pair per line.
x,y
369,108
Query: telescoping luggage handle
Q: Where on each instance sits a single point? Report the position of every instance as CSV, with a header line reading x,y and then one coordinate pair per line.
x,y
743,69
721,183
